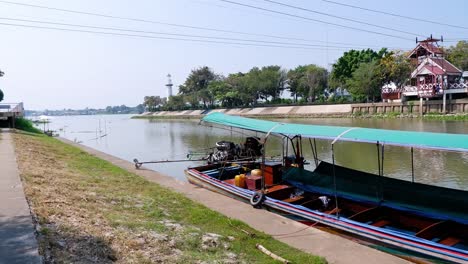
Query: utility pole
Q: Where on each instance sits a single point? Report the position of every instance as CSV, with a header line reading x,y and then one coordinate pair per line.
x,y
169,86
1,92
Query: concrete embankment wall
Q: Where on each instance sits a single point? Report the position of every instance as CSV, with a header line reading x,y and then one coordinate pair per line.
x,y
338,110
280,111
435,106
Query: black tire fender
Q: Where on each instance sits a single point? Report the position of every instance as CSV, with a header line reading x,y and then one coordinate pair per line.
x,y
257,199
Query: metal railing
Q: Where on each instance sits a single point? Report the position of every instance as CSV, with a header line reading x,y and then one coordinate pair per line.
x,y
13,108
425,90
458,86
409,89
390,90
405,89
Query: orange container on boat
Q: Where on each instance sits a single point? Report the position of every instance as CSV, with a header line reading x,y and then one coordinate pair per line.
x,y
237,180
242,180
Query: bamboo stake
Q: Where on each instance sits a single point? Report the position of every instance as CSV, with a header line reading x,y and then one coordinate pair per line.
x,y
271,254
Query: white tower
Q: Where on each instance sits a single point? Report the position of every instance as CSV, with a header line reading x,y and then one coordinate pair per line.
x,y
169,86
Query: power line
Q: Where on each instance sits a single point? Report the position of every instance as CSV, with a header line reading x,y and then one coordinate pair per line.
x,y
339,17
394,15
455,39
314,20
164,38
171,34
170,24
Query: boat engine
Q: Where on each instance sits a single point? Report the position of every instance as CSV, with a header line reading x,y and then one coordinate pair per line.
x,y
225,151
252,147
228,151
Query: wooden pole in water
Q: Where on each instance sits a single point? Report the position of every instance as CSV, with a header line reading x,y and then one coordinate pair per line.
x,y
420,106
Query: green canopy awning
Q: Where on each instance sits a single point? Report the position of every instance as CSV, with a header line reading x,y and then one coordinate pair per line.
x,y
442,141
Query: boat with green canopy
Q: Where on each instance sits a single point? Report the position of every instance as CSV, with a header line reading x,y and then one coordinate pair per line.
x,y
413,219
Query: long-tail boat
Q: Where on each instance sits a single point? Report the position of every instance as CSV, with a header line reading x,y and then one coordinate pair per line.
x,y
414,219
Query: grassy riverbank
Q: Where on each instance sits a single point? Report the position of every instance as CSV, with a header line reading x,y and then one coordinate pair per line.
x,y
90,211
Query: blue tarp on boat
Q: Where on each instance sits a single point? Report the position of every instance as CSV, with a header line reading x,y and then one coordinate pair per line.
x,y
442,141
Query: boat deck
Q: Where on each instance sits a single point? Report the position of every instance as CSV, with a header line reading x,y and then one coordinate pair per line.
x,y
412,221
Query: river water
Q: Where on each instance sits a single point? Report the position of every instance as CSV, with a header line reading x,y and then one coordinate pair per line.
x,y
127,138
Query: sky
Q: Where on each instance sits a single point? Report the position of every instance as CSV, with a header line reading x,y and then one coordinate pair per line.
x,y
57,69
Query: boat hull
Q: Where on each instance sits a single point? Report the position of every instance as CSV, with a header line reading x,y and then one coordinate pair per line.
x,y
393,240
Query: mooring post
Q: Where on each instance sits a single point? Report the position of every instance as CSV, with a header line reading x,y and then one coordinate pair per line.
x,y
421,106
444,103
450,103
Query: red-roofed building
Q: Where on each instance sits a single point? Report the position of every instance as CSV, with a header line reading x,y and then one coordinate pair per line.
x,y
434,76
423,49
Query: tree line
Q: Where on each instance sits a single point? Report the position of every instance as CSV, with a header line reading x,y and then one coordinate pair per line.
x,y
360,72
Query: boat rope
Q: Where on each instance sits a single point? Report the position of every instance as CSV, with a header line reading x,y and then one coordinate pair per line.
x,y
271,130
222,168
342,134
297,231
314,151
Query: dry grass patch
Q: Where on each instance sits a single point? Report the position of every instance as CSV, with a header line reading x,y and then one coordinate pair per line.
x,y
90,211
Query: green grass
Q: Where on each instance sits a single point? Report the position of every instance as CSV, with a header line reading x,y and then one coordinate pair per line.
x,y
448,117
129,202
26,125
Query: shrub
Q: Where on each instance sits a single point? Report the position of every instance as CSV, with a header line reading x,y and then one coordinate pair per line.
x,y
26,125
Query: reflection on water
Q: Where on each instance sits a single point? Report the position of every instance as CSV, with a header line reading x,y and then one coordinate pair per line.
x,y
173,139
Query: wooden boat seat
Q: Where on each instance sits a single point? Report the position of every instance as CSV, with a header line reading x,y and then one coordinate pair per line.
x,y
432,231
381,223
450,241
367,214
279,187
279,192
230,181
294,199
333,211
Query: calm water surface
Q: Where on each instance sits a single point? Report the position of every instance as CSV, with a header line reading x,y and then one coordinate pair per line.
x,y
127,138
